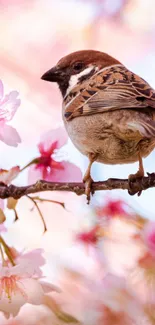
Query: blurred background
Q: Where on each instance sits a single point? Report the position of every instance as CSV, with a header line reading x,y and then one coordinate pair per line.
x,y
34,36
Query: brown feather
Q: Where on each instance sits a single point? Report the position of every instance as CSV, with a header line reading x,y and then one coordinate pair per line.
x,y
113,88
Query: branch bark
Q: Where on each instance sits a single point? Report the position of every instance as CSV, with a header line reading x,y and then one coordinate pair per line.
x,y
79,188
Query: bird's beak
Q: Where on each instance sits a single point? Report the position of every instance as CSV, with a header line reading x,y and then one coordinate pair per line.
x,y
52,75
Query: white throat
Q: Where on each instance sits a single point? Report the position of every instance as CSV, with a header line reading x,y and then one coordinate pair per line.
x,y
75,78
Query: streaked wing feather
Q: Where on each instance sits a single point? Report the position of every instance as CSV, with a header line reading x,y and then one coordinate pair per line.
x,y
115,88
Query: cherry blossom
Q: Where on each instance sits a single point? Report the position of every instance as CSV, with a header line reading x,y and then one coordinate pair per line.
x,y
75,299
91,240
112,209
22,283
47,167
101,300
143,275
89,237
111,318
117,296
8,107
6,176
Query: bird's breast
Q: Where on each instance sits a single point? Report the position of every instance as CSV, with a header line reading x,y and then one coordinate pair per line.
x,y
107,135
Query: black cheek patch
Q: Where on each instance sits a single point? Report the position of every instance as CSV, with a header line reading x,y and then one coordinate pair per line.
x,y
67,114
87,76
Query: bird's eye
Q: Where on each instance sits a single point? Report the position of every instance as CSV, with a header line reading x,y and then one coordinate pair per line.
x,y
78,66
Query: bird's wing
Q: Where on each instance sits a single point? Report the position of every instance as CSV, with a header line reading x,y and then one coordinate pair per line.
x,y
112,89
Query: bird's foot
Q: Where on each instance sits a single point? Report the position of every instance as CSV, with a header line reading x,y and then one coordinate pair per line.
x,y
132,178
87,177
88,187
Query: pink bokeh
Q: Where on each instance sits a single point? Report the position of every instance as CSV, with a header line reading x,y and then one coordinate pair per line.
x,y
105,236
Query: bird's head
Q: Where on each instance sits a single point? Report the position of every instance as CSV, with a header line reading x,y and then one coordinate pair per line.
x,y
76,68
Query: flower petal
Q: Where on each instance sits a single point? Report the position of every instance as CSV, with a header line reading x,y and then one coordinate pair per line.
x,y
48,287
34,291
35,258
113,282
9,135
68,173
57,135
9,106
34,174
12,304
6,176
1,90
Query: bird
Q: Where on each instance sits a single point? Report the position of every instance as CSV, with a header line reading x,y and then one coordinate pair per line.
x,y
108,110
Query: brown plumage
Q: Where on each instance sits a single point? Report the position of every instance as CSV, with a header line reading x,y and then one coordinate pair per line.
x,y
108,111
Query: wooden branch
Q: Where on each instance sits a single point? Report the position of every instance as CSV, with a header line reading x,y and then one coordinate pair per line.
x,y
79,188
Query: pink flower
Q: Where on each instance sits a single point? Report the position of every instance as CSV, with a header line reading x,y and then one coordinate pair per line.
x,y
8,107
37,260
115,294
22,283
148,235
75,299
91,241
6,176
47,167
147,262
95,301
111,318
112,209
89,237
119,301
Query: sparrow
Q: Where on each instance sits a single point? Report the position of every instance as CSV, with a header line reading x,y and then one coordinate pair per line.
x,y
108,111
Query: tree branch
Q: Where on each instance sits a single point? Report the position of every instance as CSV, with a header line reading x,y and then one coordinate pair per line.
x,y
79,188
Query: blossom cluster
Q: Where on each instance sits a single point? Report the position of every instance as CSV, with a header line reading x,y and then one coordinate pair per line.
x,y
109,278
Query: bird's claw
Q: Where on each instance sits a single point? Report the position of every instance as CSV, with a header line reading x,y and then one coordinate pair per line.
x,y
130,190
150,174
131,179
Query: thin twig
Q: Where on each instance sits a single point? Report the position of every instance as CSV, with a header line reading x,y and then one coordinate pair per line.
x,y
7,251
39,211
48,200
